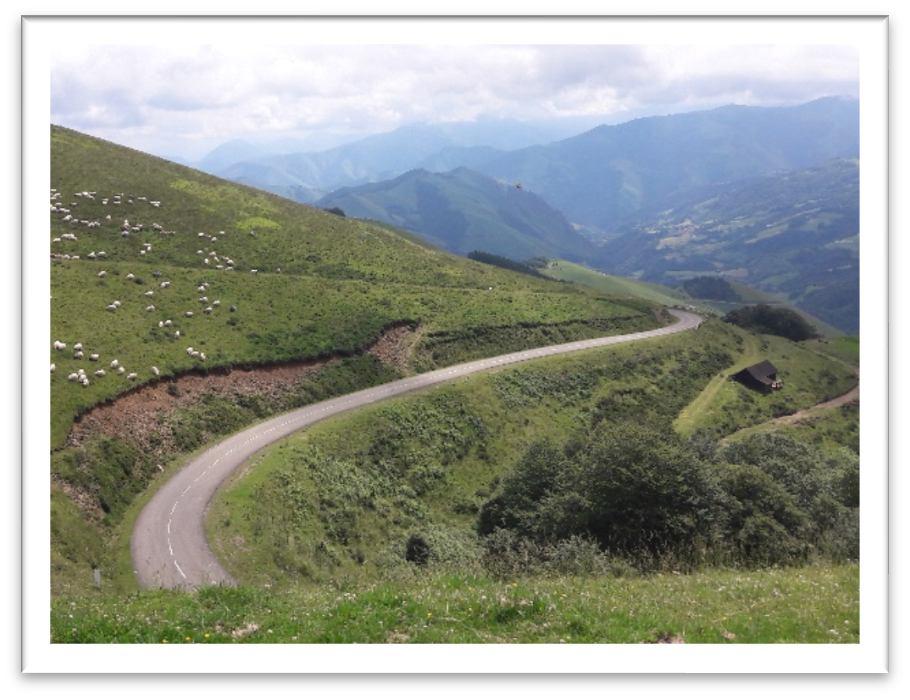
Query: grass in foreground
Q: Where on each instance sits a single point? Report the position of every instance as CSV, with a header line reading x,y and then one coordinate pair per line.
x,y
813,604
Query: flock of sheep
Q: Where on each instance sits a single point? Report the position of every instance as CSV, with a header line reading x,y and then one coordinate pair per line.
x,y
211,258
80,375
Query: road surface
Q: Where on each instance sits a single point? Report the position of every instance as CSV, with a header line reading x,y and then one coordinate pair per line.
x,y
168,545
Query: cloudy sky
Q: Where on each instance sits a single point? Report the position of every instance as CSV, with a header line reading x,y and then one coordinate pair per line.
x,y
185,102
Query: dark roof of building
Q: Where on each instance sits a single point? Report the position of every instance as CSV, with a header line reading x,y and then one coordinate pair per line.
x,y
763,372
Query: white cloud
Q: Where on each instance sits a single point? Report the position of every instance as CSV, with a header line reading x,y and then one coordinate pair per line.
x,y
171,100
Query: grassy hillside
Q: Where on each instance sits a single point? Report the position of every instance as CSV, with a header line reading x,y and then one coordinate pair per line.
x,y
817,604
342,499
613,285
725,406
463,211
795,234
324,287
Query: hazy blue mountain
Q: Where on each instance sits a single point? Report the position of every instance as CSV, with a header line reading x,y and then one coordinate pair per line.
x,y
227,154
611,173
453,157
440,147
794,233
464,211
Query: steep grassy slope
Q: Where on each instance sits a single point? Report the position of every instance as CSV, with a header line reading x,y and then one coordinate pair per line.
x,y
342,499
286,236
795,234
463,211
325,288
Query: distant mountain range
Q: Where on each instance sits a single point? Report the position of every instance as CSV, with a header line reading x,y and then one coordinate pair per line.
x,y
795,233
768,195
306,176
462,211
610,174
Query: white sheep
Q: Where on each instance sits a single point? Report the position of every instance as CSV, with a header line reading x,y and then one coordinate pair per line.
x,y
102,273
165,284
217,302
116,303
130,276
77,346
78,355
254,270
168,323
85,381
155,371
207,310
203,299
53,367
121,370
100,372
115,364
150,307
131,376
189,350
202,356
176,334
72,376
188,314
93,357
150,293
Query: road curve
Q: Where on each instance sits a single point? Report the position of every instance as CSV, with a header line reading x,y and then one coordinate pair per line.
x,y
168,545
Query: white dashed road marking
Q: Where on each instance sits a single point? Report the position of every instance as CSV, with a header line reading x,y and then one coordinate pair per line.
x,y
150,564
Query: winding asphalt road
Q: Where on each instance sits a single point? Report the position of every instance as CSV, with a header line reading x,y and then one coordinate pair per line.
x,y
168,544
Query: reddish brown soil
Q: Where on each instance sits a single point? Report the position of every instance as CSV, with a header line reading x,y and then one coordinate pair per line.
x,y
395,346
139,415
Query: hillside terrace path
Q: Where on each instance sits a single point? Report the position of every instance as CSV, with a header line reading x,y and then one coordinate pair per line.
x,y
168,545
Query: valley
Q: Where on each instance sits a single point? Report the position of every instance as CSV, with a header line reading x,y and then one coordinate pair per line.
x,y
267,407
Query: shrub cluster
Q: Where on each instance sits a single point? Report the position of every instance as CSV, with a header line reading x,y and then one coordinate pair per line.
x,y
645,495
710,288
762,318
505,263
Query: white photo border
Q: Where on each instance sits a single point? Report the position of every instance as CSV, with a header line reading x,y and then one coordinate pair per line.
x,y
869,34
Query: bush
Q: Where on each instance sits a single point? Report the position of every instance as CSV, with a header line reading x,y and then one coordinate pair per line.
x,y
772,320
644,495
417,551
710,288
635,491
505,263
